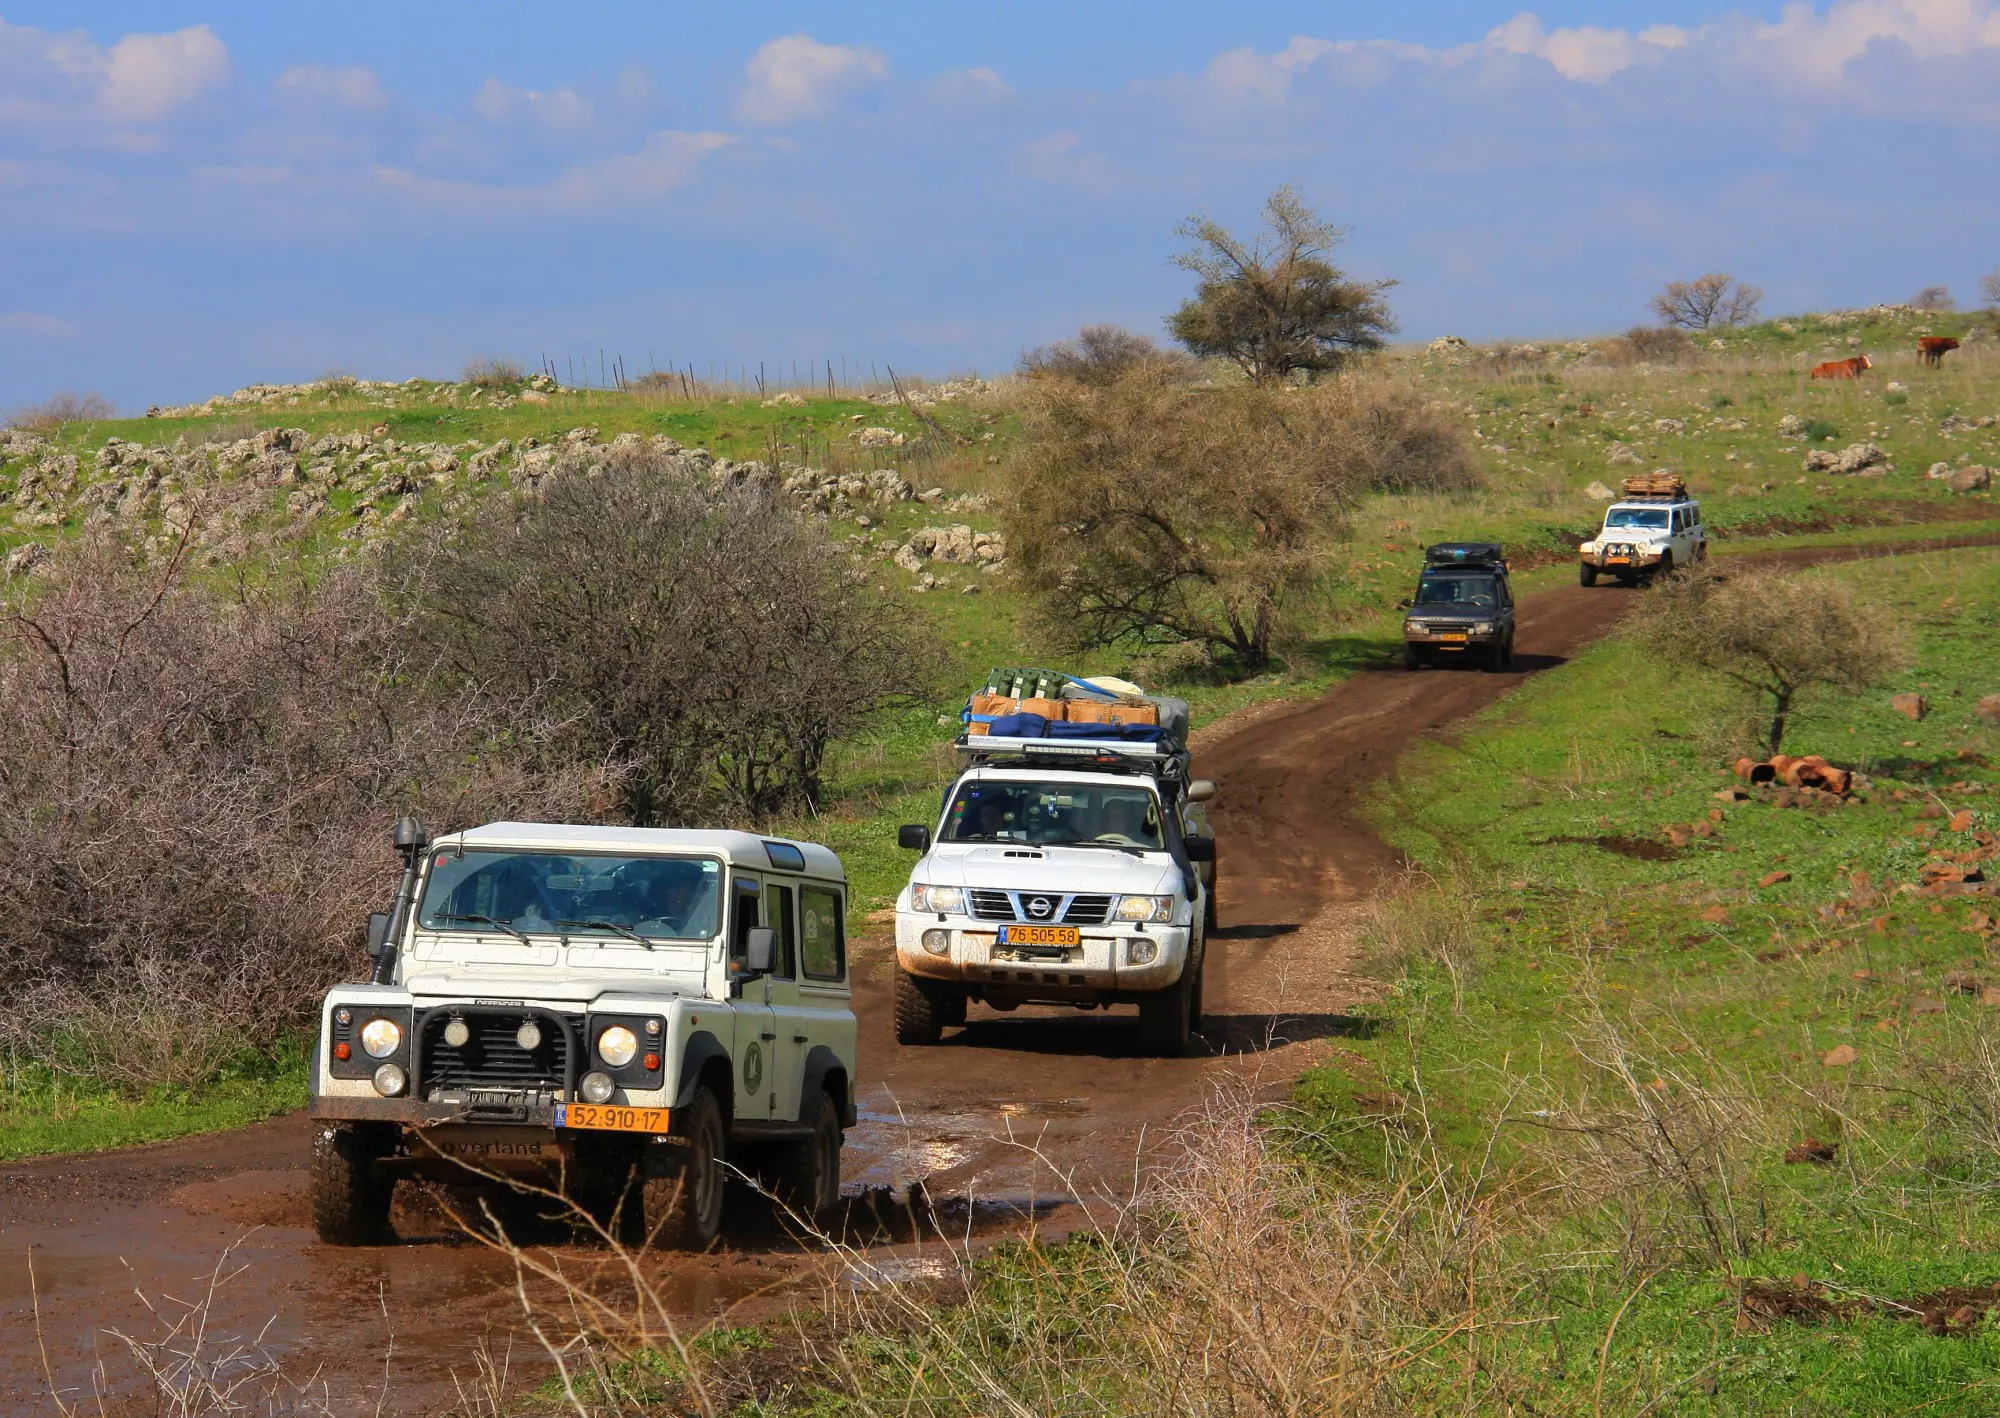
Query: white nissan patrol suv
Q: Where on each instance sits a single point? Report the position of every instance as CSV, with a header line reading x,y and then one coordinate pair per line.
x,y
1058,873
616,1011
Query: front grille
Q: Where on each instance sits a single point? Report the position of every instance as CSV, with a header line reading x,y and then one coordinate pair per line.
x,y
1063,909
492,1058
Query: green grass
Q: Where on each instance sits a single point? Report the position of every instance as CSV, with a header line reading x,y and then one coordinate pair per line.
x,y
41,1114
1559,952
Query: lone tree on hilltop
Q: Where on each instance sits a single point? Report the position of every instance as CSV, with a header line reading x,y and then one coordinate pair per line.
x,y
1099,356
1715,299
1276,304
1934,299
1777,637
1989,289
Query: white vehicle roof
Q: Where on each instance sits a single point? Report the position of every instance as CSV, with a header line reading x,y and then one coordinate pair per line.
x,y
1029,773
742,849
1627,504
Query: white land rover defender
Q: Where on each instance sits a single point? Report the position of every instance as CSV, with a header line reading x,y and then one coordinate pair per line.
x,y
614,1011
1061,871
1653,528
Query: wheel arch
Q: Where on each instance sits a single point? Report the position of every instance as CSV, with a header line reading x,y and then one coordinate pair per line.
x,y
824,1072
704,1059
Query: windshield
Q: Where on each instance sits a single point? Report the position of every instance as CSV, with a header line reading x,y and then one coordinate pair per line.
x,y
1055,814
1457,591
1652,517
672,898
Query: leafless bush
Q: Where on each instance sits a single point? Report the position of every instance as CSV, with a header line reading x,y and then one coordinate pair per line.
x,y
60,409
1099,356
1401,440
1989,289
493,372
195,790
1714,299
1776,636
1935,299
1657,346
704,635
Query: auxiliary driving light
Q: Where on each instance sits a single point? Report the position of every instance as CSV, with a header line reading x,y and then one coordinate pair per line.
x,y
937,942
381,1038
529,1035
1142,951
389,1080
596,1087
457,1032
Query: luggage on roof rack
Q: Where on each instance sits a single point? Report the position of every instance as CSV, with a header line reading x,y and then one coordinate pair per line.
x,y
1464,554
1662,484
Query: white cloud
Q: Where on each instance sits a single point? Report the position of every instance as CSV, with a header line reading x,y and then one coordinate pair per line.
x,y
1823,46
28,322
1587,53
558,110
664,162
796,77
356,88
148,76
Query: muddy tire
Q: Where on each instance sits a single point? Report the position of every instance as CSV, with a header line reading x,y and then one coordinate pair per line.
x,y
807,1173
1586,574
920,1015
1209,910
1664,569
1411,659
1166,1019
1496,658
682,1200
951,1011
350,1192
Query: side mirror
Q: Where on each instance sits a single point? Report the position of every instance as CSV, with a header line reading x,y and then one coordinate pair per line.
x,y
1199,849
1200,790
762,949
1402,605
913,837
378,933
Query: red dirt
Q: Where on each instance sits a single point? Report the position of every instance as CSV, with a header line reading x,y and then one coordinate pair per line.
x,y
1011,1114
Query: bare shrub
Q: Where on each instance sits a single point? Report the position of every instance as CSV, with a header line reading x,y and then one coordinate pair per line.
x,y
1934,299
59,409
1275,305
1989,289
1714,299
1657,346
1402,440
705,636
493,372
197,785
1099,356
1775,636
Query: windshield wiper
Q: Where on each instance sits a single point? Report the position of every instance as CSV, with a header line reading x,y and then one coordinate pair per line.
x,y
1139,852
507,926
625,931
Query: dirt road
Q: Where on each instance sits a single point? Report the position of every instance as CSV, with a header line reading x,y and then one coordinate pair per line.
x,y
1014,1113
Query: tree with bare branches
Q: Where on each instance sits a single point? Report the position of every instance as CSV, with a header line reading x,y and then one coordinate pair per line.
x,y
1935,300
1778,637
1989,289
1715,299
1275,304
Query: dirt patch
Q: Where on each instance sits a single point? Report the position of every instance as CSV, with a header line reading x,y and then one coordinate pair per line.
x,y
1957,1311
1643,849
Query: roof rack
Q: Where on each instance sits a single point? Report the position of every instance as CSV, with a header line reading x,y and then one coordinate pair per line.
x,y
1662,486
1465,554
1112,755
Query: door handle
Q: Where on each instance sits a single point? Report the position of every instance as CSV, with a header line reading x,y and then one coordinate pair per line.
x,y
767,1036
798,1038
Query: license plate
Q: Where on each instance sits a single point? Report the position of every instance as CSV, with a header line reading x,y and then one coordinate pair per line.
x,y
1451,635
607,1118
1617,561
1040,935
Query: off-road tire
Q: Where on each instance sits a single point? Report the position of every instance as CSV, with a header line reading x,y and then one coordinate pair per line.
x,y
350,1192
1586,574
951,1010
1664,569
681,1201
807,1173
1496,658
1411,659
1209,910
1166,1018
920,1017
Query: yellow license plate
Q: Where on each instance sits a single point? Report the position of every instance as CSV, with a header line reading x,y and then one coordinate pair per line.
x,y
1040,935
1451,635
609,1118
1617,561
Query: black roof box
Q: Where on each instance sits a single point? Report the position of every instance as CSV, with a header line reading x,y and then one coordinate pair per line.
x,y
1464,554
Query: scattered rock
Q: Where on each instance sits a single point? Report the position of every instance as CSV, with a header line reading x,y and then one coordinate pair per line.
x,y
877,437
1911,706
1598,492
1840,1056
1670,426
1619,455
23,559
1970,479
1791,426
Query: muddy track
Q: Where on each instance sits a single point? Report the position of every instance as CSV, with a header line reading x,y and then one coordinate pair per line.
x,y
1015,1116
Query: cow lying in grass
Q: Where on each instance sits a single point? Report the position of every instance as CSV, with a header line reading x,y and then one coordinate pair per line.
x,y
1842,368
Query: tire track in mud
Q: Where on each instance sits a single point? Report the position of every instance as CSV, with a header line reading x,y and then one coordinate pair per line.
x,y
1018,1115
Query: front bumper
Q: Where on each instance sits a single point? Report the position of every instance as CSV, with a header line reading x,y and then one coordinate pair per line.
x,y
1449,637
1101,961
1621,557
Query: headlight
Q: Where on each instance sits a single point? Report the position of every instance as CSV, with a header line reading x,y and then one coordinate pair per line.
x,y
937,898
1145,908
389,1080
1588,547
617,1046
381,1038
596,1087
1485,627
1142,950
937,942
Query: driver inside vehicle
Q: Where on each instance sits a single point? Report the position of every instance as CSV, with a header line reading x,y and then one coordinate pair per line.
x,y
675,899
1125,820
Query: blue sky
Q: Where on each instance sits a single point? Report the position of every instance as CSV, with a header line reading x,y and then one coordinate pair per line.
x,y
196,196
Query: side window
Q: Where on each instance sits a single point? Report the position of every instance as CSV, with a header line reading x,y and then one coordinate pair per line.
x,y
743,919
778,915
822,935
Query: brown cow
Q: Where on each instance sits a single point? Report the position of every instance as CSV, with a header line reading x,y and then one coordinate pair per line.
x,y
1932,349
1842,368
